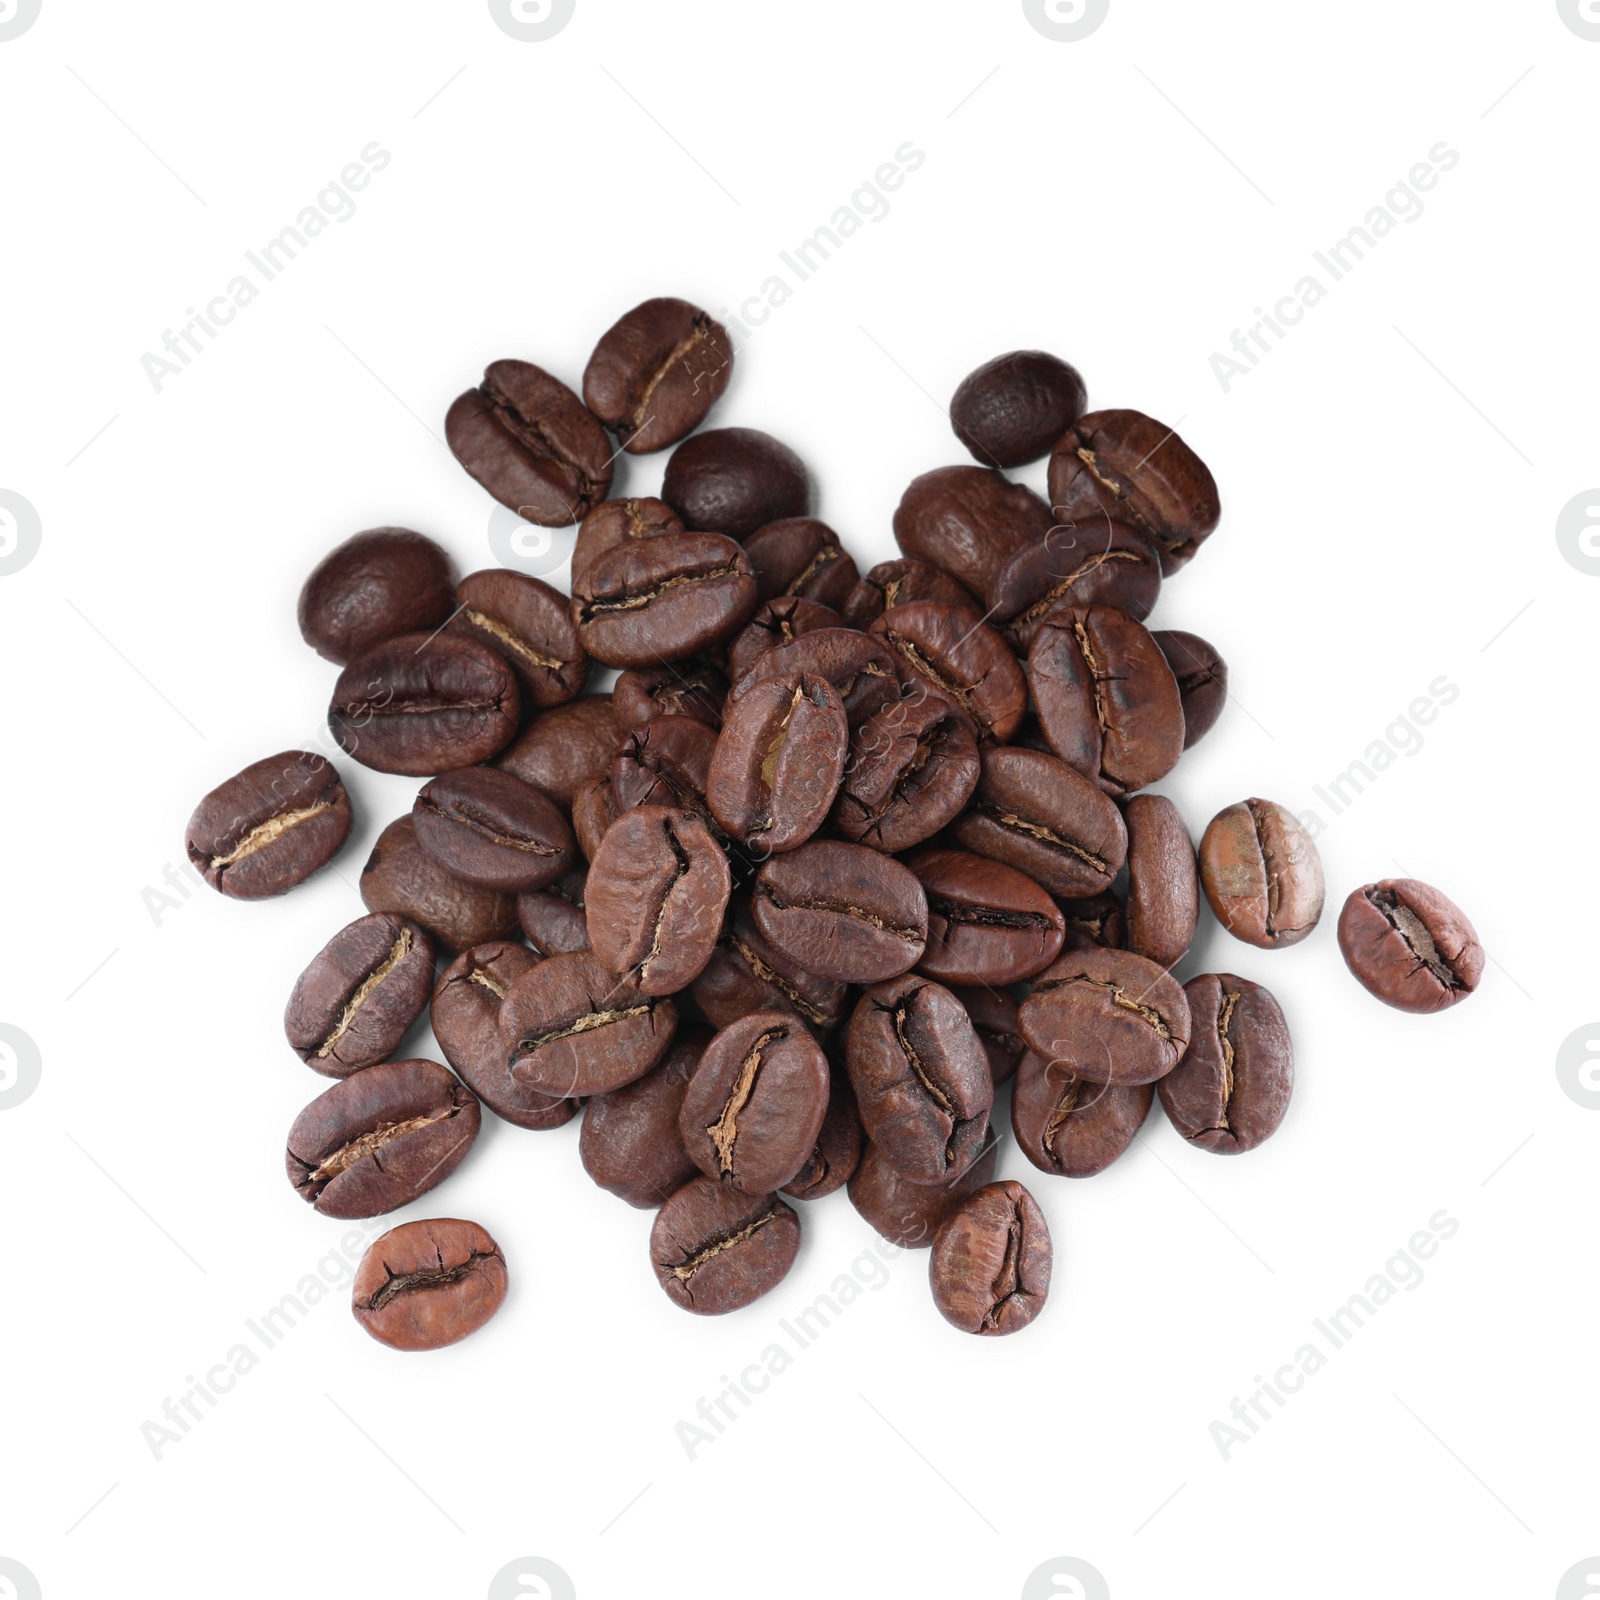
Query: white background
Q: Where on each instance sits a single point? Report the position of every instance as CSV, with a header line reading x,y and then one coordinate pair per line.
x,y
1391,474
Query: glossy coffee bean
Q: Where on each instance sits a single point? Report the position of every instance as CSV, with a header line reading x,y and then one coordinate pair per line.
x,y
692,688
666,762
902,583
990,1267
614,522
1163,885
554,920
1108,1016
424,703
993,1014
1095,564
801,557
532,443
735,480
1409,945
1013,409
956,654
905,1213
776,622
1098,923
716,1249
1262,874
1232,1087
1125,465
656,372
748,973
400,876
1071,1127
486,827
594,809
376,584
1202,680
987,922
357,1000
837,1152
425,1285
380,1138
564,747
968,521
530,624
629,1143
863,670
269,827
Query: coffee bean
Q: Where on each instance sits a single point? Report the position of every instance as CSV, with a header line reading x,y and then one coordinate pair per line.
x,y
747,973
967,521
530,624
1163,887
956,654
1098,923
1094,564
656,372
987,922
776,622
269,827
532,443
355,1002
376,584
380,1138
1108,1016
1262,874
1013,409
657,890
1409,945
1232,1087
594,809
716,1249
993,1014
1071,1127
862,669
901,583
613,522
735,480
424,703
489,828
400,876
801,557
564,747
425,1285
666,762
1202,679
692,688
905,1213
553,920
837,1152
990,1267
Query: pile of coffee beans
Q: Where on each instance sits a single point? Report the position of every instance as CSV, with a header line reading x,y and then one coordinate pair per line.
x,y
834,857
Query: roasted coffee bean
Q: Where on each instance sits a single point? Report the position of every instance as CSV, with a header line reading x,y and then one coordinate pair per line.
x,y
563,748
901,583
1202,679
489,828
376,584
1098,923
837,1152
863,670
987,922
466,1021
1107,700
530,624
652,600
613,522
801,557
967,521
905,1213
1071,1127
532,443
1033,812
269,827
656,372
1262,874
776,622
423,703
571,1027
747,973
716,1249
1232,1087
912,767
1108,1016
657,891
921,1078
355,1002
842,911
425,1285
778,761
594,809
553,920
955,653
993,1014
990,1267
682,689
400,876
1013,409
629,1142
666,762
755,1104
381,1137
1409,945
1093,564
735,480
1163,887
1128,466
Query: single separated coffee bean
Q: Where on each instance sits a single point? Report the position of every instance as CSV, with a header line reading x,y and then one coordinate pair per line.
x,y
716,1249
1163,887
967,521
594,809
1409,945
1092,564
553,920
776,622
990,1267
735,480
564,747
629,1142
1262,874
861,668
837,1152
425,1285
666,762
905,1213
957,655
691,688
1071,1127
376,584
747,973
269,827
987,922
530,624
489,828
612,522
801,557
1098,923
355,1002
380,1138
1231,1089
400,876
901,583
1202,679
1013,409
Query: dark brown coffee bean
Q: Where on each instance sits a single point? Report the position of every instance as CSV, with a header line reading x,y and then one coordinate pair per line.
x,y
532,443
376,584
1013,409
967,521
355,1002
400,876
574,1028
748,973
837,1152
863,670
1163,886
676,689
553,920
1232,1088
594,809
564,747
842,911
1098,923
269,827
905,1213
1107,700
755,1104
776,622
530,624
1125,465
990,1267
1071,1127
1093,564
657,891
381,1137
656,372
1262,874
716,1249
959,656
901,583
1108,1016
424,703
666,762
425,1285
993,1014
629,1142
987,922
921,1078
735,480
1202,679
1409,945
802,557
613,522
489,828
